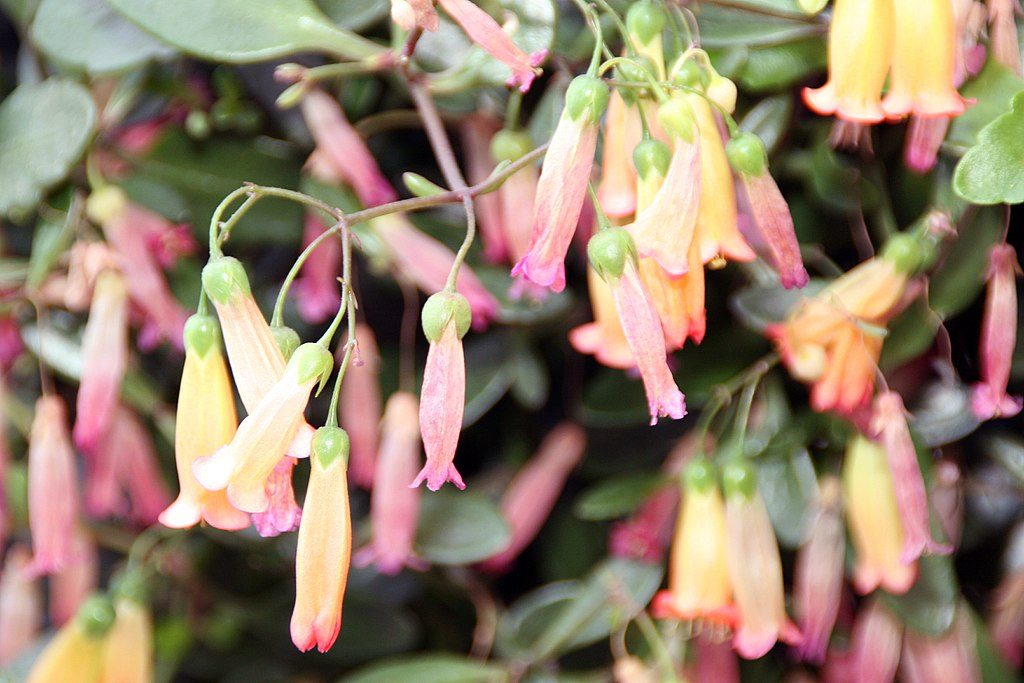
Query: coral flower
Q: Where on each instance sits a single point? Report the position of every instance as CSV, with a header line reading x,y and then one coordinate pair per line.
x,y
21,605
443,394
622,131
952,656
875,650
52,488
923,61
860,41
516,195
394,505
245,464
889,423
873,516
104,360
205,422
1002,33
562,187
755,568
316,290
72,585
534,490
76,653
483,30
478,131
282,513
998,337
603,338
360,407
325,544
128,655
136,467
698,585
344,150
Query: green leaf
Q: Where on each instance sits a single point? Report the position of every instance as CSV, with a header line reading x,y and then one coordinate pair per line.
x,y
20,10
943,414
460,528
930,605
490,373
910,335
769,119
992,91
355,15
87,35
789,486
726,26
780,66
241,31
617,497
530,385
759,306
961,277
44,129
429,668
992,172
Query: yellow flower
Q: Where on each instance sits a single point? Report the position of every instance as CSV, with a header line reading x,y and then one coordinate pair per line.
x,y
128,656
75,655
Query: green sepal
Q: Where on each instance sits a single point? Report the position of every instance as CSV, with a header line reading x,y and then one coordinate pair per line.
x,y
608,251
651,155
586,96
224,278
311,360
690,74
329,444
677,119
739,479
908,251
420,186
700,475
442,307
645,21
202,333
287,340
96,616
747,154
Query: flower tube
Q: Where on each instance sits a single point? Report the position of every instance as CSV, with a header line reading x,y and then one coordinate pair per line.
x,y
998,337
516,194
52,488
622,130
21,605
410,14
128,655
75,654
875,651
478,135
818,585
360,407
603,338
72,585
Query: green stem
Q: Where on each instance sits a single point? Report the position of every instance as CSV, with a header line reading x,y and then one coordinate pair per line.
x,y
218,212
229,224
595,27
278,315
515,102
654,641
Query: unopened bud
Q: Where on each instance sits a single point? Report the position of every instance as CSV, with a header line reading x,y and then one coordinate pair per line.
x,y
202,333
224,278
440,309
510,145
651,155
739,479
645,21
587,96
311,360
676,118
329,444
420,186
747,155
608,251
287,340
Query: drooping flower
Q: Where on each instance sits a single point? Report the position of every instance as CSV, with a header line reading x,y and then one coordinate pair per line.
x,y
532,494
104,360
923,61
75,654
613,254
205,422
603,338
76,581
325,544
394,505
873,517
344,150
483,30
875,651
52,488
952,656
1002,33
998,337
128,654
516,196
245,464
699,587
622,130
889,423
282,514
360,407
768,208
317,296
818,584
478,131
136,467
1006,621
924,138
443,394
860,48
562,187
21,605
755,568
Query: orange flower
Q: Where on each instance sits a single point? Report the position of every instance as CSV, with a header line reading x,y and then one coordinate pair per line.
x,y
75,654
603,338
617,189
128,655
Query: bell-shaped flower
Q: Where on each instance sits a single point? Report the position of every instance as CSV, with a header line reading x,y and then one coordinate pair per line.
x,y
283,513
755,568
426,262
1002,33
76,653
316,290
21,605
622,131
923,61
360,407
613,254
534,490
699,587
873,517
394,505
325,544
562,187
477,132
603,338
245,464
516,196
483,30
340,144
205,422
137,468
818,582
768,208
860,50
446,319
953,656
52,488
924,138
998,337
1006,618
875,650
76,581
104,360
410,14
128,655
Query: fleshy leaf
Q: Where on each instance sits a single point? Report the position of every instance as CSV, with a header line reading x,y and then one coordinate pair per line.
x,y
992,172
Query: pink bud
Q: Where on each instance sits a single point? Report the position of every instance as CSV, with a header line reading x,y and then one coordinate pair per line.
x,y
772,219
924,138
889,423
532,494
317,294
21,605
344,149
818,585
483,30
283,513
360,407
875,650
477,131
442,401
998,337
950,657
74,583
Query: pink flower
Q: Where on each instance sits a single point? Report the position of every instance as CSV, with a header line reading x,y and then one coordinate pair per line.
x,y
875,650
169,242
104,360
317,294
11,345
394,505
818,585
360,407
998,337
21,605
344,150
483,30
889,423
562,187
1002,33
715,661
1006,620
477,131
283,514
952,656
73,584
426,262
533,492
443,394
924,138
52,488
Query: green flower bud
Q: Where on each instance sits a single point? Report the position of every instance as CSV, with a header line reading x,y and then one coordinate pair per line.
x,y
224,278
692,75
651,155
739,479
746,154
906,252
329,444
677,118
287,340
96,616
644,21
312,360
811,7
197,124
608,250
586,96
420,186
700,475
722,92
292,95
510,145
202,333
441,308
